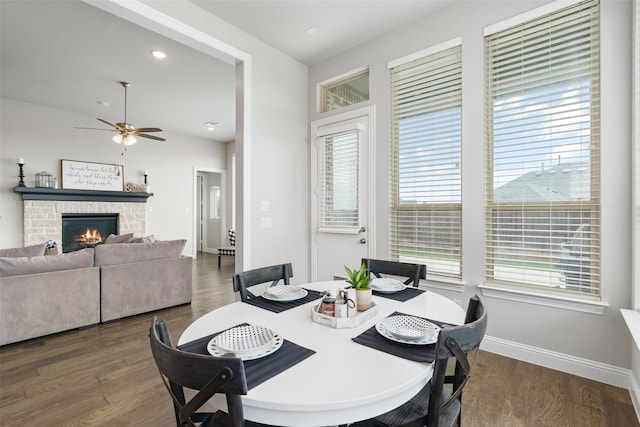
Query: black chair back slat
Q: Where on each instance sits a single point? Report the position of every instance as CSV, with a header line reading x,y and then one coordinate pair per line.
x,y
274,274
460,343
208,374
439,403
412,272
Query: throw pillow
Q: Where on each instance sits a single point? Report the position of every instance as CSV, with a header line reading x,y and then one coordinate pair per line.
x,y
28,251
122,238
146,239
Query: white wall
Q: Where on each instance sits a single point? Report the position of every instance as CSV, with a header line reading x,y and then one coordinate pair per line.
x,y
43,136
599,341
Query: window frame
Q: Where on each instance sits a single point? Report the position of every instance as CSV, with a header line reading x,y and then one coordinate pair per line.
x,y
592,205
417,60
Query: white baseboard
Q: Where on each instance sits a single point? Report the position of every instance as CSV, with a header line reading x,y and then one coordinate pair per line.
x,y
590,369
634,390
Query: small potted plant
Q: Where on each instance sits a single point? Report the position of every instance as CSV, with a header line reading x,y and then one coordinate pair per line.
x,y
360,280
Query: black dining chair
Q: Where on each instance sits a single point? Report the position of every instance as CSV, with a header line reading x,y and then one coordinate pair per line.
x,y
412,272
439,403
207,374
274,274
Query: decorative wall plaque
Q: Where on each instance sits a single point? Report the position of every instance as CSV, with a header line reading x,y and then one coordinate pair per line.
x,y
92,176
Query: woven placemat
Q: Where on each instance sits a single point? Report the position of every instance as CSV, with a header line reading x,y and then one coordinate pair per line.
x,y
260,370
280,306
418,353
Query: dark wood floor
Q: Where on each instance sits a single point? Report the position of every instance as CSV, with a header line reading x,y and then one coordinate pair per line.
x,y
106,376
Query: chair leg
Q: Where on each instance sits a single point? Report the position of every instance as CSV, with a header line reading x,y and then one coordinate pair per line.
x,y
219,260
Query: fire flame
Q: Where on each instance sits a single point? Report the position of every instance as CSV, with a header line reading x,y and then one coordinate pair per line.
x,y
91,237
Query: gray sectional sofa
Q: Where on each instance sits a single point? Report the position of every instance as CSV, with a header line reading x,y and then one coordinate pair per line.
x,y
41,295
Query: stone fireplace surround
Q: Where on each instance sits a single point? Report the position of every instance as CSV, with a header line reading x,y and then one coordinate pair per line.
x,y
43,218
43,212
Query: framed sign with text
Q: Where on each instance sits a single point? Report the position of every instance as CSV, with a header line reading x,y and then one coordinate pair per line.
x,y
92,176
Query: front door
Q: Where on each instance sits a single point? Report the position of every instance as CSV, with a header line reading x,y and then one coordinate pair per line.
x,y
341,207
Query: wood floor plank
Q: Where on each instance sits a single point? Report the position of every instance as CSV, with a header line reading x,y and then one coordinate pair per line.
x,y
105,376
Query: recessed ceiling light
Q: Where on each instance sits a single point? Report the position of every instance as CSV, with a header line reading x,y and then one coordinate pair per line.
x,y
158,54
211,125
311,31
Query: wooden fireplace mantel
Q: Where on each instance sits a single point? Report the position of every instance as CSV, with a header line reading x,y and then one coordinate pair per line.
x,y
36,193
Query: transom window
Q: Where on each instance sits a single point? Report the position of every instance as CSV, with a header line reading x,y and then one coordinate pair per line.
x,y
344,91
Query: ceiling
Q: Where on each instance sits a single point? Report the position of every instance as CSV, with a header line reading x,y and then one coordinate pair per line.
x,y
70,55
341,25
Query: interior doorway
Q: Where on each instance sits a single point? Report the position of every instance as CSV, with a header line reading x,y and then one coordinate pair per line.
x,y
210,215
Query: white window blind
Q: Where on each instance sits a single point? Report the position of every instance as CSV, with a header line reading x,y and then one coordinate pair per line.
x,y
339,181
543,152
426,210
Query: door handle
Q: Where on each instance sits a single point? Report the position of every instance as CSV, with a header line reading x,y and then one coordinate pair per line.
x,y
363,241
362,230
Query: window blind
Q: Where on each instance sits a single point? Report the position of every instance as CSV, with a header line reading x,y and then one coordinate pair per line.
x,y
339,181
426,182
543,152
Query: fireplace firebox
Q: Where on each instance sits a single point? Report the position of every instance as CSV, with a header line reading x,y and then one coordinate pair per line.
x,y
87,230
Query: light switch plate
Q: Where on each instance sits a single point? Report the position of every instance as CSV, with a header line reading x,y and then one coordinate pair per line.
x,y
265,222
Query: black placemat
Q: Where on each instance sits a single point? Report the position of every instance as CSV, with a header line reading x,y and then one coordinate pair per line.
x,y
404,295
418,353
280,306
260,370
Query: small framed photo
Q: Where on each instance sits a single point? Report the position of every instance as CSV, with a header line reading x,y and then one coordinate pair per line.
x,y
92,176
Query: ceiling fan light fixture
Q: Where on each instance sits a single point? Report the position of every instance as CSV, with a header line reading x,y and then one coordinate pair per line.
x,y
125,131
129,140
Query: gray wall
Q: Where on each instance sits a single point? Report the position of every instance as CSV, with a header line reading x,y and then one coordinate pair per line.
x,y
542,332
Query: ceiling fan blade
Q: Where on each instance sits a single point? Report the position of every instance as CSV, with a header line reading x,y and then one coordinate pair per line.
x,y
157,138
146,130
110,124
108,130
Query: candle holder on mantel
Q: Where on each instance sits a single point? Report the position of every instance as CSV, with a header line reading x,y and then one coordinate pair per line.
x,y
21,173
147,187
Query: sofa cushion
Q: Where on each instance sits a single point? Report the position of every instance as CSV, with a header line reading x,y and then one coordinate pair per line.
x,y
145,239
42,264
28,251
122,238
136,252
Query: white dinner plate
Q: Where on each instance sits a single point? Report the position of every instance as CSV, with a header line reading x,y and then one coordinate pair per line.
x,y
245,339
408,330
285,293
387,285
262,351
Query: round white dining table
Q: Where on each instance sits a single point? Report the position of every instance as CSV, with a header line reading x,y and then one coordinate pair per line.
x,y
343,381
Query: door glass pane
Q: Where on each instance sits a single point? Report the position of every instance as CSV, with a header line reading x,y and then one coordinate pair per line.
x,y
339,180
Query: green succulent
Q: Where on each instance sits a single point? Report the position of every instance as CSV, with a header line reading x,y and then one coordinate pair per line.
x,y
359,279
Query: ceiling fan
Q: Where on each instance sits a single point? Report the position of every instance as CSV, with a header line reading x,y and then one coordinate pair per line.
x,y
126,132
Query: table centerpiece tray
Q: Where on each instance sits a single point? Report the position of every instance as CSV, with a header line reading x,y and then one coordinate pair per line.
x,y
343,322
